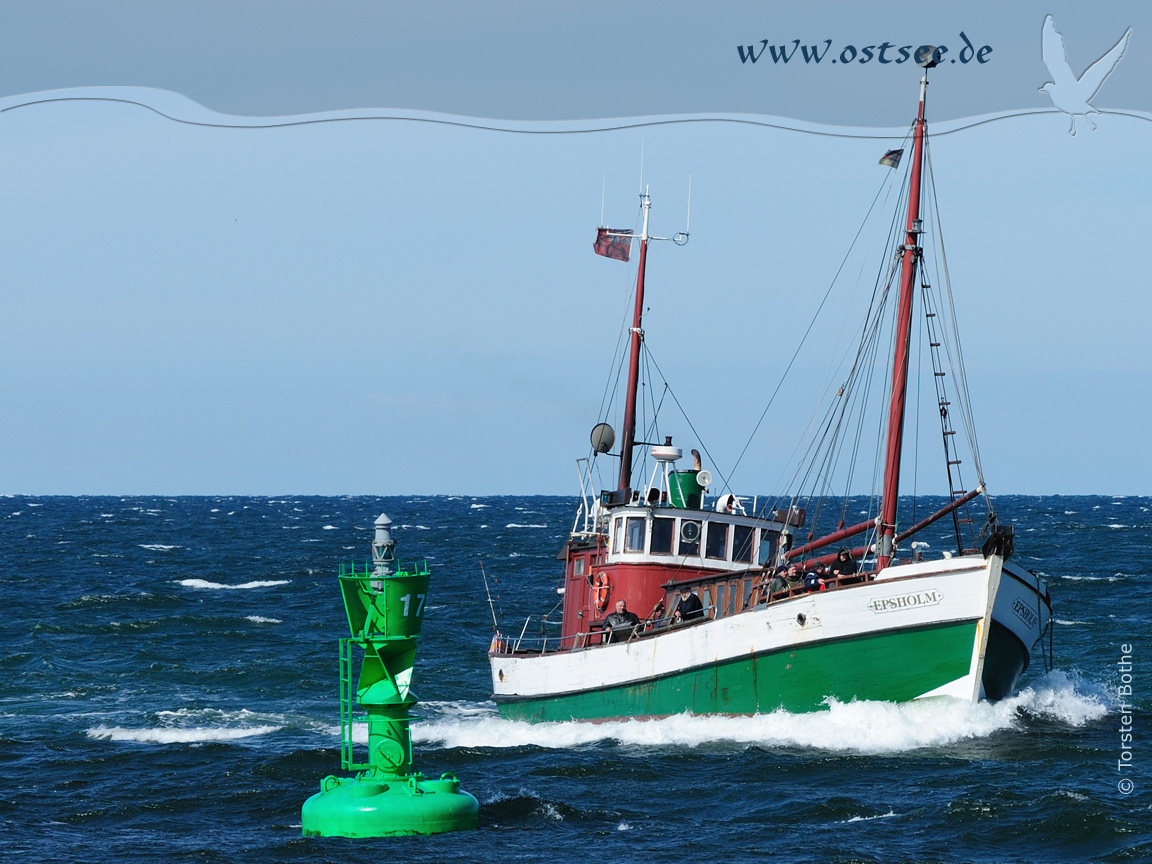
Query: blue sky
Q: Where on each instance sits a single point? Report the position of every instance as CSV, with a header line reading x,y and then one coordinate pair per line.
x,y
390,306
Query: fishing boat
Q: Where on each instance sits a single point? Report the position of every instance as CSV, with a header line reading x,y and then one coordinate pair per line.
x,y
748,604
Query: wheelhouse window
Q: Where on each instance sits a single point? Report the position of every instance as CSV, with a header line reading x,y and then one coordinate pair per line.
x,y
689,537
663,530
578,566
617,535
742,536
768,541
716,545
634,537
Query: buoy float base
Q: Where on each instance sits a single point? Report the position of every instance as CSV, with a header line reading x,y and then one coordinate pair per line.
x,y
391,807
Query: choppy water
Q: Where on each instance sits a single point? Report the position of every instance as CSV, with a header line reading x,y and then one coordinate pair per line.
x,y
168,693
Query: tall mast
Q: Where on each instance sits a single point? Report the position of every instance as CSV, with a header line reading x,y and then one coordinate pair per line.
x,y
634,358
911,252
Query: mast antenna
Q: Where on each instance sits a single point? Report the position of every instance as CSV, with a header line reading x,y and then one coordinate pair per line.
x,y
491,605
641,164
603,192
681,237
688,221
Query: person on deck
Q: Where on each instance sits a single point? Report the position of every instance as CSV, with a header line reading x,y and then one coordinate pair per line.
x,y
621,624
778,583
688,608
795,578
844,565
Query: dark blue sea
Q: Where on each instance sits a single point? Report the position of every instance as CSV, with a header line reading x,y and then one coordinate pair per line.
x,y
168,692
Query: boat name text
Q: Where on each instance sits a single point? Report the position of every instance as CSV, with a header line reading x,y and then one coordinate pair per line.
x,y
1028,616
906,601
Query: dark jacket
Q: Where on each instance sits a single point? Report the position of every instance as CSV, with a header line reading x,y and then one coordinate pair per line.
x,y
621,625
689,608
844,568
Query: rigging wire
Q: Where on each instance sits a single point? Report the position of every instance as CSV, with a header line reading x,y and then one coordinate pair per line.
x,y
821,468
608,400
812,323
688,420
957,363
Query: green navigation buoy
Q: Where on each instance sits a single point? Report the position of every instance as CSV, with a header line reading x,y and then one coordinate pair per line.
x,y
385,606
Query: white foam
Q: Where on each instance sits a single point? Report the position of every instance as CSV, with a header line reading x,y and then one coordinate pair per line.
x,y
859,727
1069,623
478,506
887,815
260,619
1063,696
194,726
157,547
178,736
329,528
204,583
1115,525
518,525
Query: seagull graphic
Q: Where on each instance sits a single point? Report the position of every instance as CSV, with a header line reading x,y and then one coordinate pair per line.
x,y
1067,92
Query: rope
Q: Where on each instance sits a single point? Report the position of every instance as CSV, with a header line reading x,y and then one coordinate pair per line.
x,y
887,182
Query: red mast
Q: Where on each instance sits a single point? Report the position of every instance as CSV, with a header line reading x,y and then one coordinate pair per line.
x,y
629,430
911,252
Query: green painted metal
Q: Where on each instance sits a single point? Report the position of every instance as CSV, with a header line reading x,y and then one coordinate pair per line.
x,y
894,666
385,608
684,490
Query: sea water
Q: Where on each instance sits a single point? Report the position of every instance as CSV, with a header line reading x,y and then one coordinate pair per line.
x,y
168,692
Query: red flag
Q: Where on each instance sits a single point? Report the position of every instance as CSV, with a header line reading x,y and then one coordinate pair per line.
x,y
613,244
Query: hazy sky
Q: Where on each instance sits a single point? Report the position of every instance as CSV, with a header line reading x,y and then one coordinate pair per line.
x,y
388,305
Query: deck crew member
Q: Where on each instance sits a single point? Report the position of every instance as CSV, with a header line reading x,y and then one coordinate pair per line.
x,y
621,624
844,565
688,607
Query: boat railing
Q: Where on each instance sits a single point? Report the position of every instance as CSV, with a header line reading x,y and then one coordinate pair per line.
x,y
722,596
542,643
399,568
590,514
727,594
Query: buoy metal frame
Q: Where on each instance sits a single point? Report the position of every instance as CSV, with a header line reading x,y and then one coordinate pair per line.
x,y
385,606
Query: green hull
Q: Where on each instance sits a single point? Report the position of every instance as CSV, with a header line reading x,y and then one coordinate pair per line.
x,y
894,666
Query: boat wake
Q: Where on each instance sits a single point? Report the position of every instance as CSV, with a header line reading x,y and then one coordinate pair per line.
x,y
196,726
857,727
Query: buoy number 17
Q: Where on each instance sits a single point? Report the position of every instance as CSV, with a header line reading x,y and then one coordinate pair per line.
x,y
407,601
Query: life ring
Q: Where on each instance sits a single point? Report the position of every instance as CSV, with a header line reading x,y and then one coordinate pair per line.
x,y
600,591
